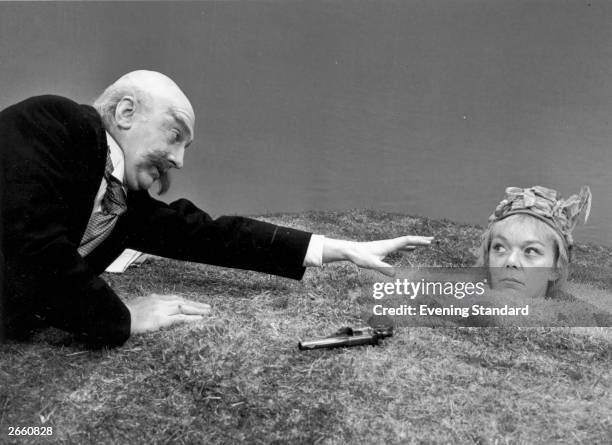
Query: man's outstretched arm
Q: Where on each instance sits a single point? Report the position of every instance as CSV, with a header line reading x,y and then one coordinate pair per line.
x,y
182,231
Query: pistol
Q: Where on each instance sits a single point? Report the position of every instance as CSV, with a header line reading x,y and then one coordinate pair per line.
x,y
348,336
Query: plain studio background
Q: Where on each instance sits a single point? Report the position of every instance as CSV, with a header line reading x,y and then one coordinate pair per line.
x,y
419,107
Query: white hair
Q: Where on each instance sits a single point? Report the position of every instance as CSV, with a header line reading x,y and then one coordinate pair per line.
x,y
106,103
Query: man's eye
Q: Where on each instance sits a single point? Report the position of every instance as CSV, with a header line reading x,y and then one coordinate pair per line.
x,y
174,136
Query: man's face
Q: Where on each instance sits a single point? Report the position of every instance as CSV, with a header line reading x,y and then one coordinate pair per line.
x,y
522,255
155,143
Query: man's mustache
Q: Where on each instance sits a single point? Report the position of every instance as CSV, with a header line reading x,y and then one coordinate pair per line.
x,y
159,161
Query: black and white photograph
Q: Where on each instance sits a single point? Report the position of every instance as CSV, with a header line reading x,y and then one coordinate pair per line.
x,y
306,222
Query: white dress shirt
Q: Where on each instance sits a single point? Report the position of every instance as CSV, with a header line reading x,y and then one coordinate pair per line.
x,y
116,155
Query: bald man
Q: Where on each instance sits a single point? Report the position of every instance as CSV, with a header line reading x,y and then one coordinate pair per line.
x,y
75,194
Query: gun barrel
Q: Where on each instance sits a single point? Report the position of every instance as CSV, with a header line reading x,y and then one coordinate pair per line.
x,y
338,342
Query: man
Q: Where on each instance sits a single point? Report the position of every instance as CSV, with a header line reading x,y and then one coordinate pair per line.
x,y
76,194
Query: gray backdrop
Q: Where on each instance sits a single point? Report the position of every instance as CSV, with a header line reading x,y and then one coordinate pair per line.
x,y
421,107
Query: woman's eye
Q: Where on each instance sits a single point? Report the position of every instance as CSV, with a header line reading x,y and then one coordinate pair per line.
x,y
532,251
499,248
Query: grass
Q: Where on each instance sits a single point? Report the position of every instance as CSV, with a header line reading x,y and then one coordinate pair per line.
x,y
239,377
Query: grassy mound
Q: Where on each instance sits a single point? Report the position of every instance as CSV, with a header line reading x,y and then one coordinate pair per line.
x,y
239,376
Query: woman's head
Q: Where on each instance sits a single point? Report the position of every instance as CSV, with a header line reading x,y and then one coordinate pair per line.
x,y
527,245
525,254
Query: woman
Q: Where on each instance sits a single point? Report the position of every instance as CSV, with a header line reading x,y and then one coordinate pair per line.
x,y
527,245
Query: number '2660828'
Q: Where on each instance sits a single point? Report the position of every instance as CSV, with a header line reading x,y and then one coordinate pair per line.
x,y
30,430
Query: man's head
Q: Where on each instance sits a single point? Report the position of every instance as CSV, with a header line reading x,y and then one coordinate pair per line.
x,y
152,121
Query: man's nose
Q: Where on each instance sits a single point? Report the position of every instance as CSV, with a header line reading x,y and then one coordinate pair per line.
x,y
513,259
176,158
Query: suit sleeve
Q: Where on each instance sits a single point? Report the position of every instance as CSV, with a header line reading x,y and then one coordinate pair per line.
x,y
48,166
182,231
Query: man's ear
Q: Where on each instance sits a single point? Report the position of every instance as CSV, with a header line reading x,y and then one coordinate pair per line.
x,y
125,112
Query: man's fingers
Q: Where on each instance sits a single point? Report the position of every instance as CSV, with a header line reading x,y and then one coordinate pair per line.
x,y
187,307
384,268
157,311
405,243
182,318
410,240
194,308
175,304
407,249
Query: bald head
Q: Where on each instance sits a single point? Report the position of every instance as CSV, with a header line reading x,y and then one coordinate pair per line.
x,y
148,89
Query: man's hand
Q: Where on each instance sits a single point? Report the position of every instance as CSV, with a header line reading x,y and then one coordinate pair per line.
x,y
158,311
370,254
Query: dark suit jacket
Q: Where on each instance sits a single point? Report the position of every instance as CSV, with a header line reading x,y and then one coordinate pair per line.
x,y
52,154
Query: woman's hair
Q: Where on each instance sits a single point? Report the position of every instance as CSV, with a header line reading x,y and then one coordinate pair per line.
x,y
562,252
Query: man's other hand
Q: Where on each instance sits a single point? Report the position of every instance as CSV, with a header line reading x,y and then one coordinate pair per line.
x,y
370,254
158,311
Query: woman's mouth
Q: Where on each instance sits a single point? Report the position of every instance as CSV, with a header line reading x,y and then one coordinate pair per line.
x,y
512,282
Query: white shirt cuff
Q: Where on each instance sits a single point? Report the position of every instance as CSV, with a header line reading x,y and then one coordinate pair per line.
x,y
314,254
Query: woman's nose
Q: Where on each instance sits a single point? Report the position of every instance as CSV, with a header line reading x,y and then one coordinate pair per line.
x,y
513,259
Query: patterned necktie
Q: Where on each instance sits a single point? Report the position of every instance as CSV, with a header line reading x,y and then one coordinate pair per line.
x,y
101,223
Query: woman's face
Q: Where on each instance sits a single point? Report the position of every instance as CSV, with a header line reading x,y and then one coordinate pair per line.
x,y
522,255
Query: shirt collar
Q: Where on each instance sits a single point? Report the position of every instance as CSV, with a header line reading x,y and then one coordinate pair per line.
x,y
116,155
